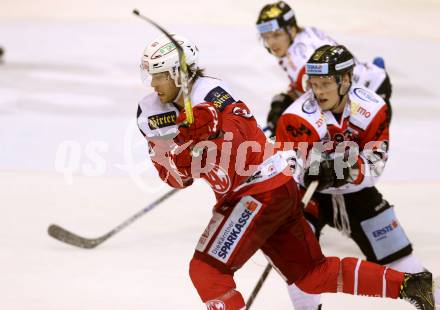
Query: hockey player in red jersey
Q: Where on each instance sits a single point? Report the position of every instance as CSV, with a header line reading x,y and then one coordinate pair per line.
x,y
293,45
340,114
257,199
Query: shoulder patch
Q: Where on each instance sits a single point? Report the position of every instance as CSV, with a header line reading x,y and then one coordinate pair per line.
x,y
309,106
357,109
220,97
162,120
364,106
365,95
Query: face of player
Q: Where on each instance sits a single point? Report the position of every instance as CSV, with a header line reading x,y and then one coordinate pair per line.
x,y
277,42
164,86
325,89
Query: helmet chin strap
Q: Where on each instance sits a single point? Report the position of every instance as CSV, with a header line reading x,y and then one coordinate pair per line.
x,y
180,85
289,31
178,94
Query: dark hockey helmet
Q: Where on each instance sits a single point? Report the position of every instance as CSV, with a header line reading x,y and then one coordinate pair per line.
x,y
330,60
274,16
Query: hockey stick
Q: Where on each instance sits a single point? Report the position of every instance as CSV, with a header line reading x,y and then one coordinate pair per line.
x,y
183,67
304,202
68,237
258,286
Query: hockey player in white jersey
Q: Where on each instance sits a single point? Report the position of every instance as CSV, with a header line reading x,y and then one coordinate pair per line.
x,y
337,111
293,45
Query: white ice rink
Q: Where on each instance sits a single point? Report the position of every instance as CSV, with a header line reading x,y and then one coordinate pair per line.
x,y
70,152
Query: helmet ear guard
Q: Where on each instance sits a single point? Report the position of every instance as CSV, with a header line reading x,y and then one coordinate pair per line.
x,y
339,80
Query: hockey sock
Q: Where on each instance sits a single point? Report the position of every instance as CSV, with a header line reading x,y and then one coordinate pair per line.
x,y
360,277
214,287
352,276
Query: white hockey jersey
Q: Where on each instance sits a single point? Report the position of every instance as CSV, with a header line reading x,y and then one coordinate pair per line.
x,y
156,119
305,43
364,121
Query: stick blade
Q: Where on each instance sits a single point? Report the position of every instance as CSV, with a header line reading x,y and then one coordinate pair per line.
x,y
68,237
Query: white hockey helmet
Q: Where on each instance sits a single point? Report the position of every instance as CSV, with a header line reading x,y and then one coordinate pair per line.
x,y
161,56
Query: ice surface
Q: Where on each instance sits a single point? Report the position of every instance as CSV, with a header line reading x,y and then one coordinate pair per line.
x,y
71,153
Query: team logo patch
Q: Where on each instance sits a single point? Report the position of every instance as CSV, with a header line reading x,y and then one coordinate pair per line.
x,y
215,305
242,112
219,97
162,120
365,95
234,228
218,179
272,13
309,106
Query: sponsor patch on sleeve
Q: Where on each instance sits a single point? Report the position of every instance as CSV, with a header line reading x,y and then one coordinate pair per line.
x,y
365,95
220,97
162,120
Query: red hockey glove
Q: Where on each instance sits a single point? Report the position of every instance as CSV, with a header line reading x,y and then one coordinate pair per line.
x,y
207,124
182,158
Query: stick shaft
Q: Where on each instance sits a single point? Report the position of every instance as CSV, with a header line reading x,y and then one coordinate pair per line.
x,y
68,237
258,286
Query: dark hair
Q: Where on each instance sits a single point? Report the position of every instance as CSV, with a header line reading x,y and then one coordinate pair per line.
x,y
199,73
194,75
